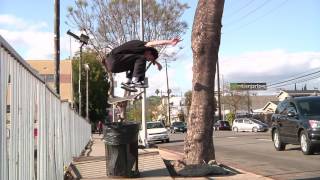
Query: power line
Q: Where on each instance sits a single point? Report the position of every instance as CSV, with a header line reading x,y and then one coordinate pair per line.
x,y
250,12
292,79
297,75
241,8
262,16
296,82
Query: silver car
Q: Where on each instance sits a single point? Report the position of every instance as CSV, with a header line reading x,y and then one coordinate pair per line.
x,y
247,124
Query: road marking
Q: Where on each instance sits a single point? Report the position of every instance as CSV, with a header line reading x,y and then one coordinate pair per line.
x,y
264,139
231,137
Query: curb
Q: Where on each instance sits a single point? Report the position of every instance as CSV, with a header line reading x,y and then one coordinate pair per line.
x,y
181,155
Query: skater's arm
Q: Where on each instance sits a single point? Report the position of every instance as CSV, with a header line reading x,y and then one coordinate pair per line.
x,y
173,42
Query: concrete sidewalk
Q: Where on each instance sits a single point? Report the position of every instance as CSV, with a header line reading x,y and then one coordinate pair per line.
x,y
92,165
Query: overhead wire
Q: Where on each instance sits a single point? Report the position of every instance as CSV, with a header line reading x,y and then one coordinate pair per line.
x,y
249,13
292,79
298,81
297,75
241,8
261,16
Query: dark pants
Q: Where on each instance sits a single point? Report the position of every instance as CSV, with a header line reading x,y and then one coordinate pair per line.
x,y
133,65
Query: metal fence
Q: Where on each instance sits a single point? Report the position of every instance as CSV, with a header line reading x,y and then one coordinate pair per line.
x,y
39,134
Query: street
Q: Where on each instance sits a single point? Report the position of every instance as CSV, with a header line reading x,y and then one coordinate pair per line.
x,y
254,152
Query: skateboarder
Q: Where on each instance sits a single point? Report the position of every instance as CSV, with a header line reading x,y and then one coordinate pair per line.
x,y
131,57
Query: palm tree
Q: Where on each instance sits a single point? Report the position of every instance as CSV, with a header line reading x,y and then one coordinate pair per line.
x,y
206,34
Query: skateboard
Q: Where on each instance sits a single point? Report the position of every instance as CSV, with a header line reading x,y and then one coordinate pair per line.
x,y
126,98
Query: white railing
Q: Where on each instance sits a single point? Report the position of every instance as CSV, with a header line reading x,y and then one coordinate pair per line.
x,y
39,134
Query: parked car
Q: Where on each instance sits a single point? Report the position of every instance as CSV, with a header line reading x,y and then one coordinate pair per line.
x,y
297,121
178,127
247,124
156,131
222,125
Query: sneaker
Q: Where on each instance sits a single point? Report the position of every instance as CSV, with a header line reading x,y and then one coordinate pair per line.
x,y
126,84
138,84
128,88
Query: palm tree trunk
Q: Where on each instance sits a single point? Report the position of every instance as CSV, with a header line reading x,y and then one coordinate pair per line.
x,y
206,33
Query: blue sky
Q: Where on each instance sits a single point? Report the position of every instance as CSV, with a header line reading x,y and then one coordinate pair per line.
x,y
262,40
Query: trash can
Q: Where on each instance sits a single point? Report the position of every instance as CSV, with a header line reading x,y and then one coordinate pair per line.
x,y
121,148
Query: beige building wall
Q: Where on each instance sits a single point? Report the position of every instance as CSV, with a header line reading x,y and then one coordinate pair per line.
x,y
46,69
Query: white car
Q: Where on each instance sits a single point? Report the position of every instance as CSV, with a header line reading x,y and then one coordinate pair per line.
x,y
156,132
246,124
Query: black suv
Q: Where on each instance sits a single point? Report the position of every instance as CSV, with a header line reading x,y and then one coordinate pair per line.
x,y
297,121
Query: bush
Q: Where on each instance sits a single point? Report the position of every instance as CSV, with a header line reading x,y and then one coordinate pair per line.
x,y
230,118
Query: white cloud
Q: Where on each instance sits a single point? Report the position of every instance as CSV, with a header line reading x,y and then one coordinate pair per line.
x,y
13,22
32,40
9,20
267,65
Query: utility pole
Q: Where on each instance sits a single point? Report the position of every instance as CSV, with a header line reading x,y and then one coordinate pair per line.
x,y
71,89
219,95
168,91
223,117
79,84
57,44
248,94
144,95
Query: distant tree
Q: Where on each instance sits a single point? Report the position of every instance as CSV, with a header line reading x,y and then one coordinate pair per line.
x,y
188,96
230,117
153,104
134,110
205,42
235,101
110,23
98,86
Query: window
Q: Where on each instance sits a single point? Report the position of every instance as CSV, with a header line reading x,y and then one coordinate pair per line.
x,y
239,120
246,121
281,107
154,125
309,107
291,108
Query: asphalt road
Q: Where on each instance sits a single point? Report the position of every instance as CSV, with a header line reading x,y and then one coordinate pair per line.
x,y
254,152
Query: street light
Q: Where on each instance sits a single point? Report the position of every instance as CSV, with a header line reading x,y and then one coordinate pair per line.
x,y
83,40
87,68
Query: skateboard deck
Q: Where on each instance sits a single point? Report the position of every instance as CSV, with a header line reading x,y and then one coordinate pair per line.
x,y
126,98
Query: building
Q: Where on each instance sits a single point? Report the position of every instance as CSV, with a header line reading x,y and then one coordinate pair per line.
x,y
46,69
270,107
255,103
296,93
177,106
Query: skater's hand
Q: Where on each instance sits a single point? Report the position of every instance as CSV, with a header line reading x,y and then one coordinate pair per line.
x,y
175,41
159,66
